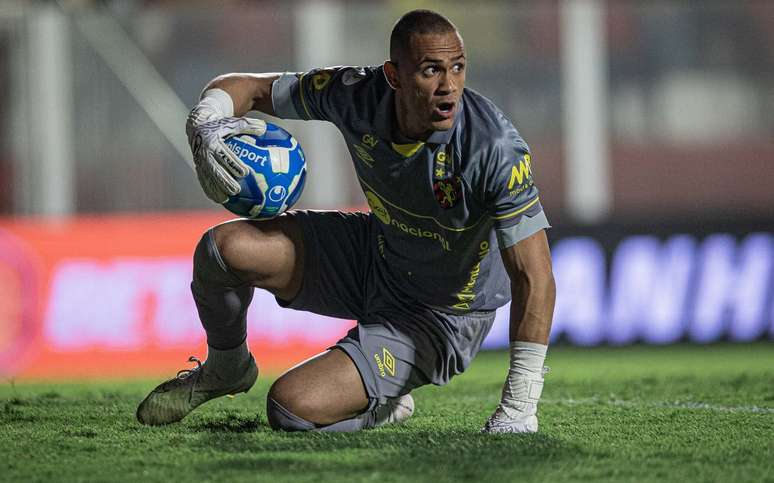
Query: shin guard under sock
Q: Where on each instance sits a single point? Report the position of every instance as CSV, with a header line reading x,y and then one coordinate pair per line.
x,y
221,297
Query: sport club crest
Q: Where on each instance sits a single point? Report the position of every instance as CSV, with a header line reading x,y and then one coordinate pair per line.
x,y
447,191
446,185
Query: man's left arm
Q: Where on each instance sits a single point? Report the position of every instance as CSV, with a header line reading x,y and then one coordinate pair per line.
x,y
533,293
533,290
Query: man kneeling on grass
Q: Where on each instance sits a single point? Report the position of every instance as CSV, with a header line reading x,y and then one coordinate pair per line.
x,y
455,231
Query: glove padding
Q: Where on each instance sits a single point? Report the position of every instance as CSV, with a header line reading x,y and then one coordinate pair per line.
x,y
217,167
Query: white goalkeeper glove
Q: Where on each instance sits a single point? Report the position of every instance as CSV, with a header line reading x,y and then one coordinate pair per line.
x,y
517,411
208,125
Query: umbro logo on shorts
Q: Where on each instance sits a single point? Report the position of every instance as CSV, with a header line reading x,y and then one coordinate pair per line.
x,y
386,363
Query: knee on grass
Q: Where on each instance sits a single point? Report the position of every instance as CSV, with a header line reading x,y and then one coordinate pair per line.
x,y
281,418
289,408
292,406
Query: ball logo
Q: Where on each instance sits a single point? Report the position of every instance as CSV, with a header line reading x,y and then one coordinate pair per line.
x,y
245,153
377,207
276,173
277,193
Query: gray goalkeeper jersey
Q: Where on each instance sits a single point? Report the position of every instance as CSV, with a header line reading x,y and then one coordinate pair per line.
x,y
439,206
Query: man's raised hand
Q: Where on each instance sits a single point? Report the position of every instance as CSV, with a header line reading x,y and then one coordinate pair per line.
x,y
217,167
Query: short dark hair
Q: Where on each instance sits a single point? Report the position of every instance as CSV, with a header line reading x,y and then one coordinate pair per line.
x,y
416,22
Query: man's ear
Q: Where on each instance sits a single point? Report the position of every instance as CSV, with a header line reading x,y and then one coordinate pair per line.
x,y
391,74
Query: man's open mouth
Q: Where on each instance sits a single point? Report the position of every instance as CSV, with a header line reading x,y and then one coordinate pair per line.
x,y
444,110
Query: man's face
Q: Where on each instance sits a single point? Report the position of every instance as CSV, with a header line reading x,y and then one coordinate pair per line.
x,y
431,77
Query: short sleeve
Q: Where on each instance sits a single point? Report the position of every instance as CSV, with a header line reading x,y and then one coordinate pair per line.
x,y
511,194
320,94
280,96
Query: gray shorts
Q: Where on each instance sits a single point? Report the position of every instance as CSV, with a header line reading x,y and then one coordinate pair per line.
x,y
396,345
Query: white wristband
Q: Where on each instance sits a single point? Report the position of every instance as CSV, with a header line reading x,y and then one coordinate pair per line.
x,y
527,358
524,384
219,101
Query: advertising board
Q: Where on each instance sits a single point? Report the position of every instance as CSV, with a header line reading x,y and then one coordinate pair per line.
x,y
110,296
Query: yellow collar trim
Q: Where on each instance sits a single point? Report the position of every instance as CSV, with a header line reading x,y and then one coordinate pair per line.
x,y
407,150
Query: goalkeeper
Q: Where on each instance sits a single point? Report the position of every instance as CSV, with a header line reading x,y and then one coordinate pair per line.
x,y
455,231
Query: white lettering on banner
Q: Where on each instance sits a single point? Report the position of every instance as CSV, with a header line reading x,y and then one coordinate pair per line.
x,y
758,259
579,270
648,288
175,321
129,304
671,291
771,315
732,288
89,307
124,304
660,291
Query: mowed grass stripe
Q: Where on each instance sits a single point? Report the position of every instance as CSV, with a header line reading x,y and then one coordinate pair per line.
x,y
681,413
687,405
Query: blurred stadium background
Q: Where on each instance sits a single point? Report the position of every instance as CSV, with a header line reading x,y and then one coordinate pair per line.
x,y
651,126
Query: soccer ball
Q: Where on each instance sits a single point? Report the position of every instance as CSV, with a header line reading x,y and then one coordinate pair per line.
x,y
277,173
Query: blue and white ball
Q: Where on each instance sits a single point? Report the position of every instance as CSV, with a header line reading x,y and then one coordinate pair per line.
x,y
277,173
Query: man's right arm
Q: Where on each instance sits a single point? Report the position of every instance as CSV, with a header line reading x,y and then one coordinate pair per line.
x,y
219,114
248,91
221,109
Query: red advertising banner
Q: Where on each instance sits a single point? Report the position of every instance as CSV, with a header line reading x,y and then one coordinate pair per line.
x,y
110,297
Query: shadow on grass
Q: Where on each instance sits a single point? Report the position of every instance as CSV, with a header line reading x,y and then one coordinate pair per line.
x,y
400,452
231,423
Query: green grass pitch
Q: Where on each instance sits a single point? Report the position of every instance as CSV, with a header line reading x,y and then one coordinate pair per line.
x,y
682,413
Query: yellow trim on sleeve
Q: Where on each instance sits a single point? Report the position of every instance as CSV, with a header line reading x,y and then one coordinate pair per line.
x,y
519,211
301,93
